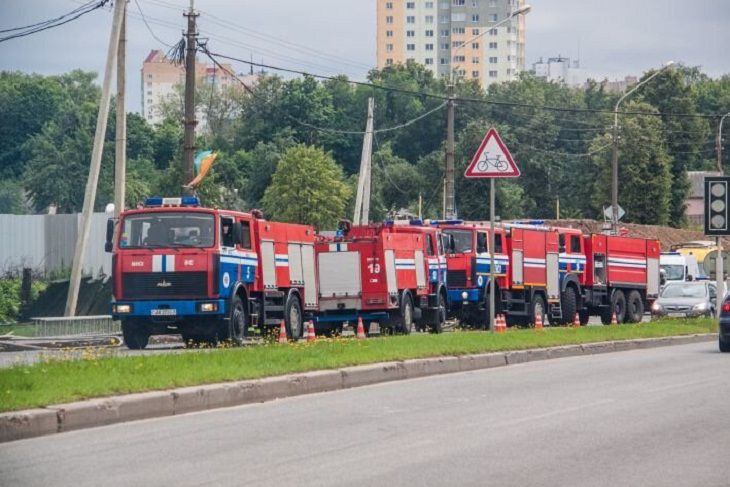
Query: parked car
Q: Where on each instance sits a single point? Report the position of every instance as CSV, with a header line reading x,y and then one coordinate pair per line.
x,y
724,338
689,299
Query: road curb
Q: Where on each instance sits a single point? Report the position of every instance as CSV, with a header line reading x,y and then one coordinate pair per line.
x,y
104,411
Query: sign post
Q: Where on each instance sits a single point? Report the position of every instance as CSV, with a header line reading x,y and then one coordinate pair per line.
x,y
492,160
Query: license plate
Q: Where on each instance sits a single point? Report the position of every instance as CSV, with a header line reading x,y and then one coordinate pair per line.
x,y
164,312
676,315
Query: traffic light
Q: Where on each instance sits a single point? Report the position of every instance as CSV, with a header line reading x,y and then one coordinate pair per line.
x,y
717,214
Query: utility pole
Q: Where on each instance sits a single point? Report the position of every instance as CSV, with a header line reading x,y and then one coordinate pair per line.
x,y
189,145
120,157
450,207
362,198
95,166
719,265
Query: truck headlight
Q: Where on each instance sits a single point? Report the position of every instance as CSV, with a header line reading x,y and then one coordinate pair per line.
x,y
208,307
464,295
122,308
656,306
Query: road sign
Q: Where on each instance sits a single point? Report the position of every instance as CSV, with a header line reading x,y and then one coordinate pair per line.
x,y
709,263
608,212
717,217
492,159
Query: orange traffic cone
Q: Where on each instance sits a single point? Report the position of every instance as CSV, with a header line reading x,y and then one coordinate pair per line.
x,y
282,332
310,331
360,329
538,321
576,321
500,324
614,321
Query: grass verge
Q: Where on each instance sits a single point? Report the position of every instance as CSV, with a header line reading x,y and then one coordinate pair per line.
x,y
98,372
18,330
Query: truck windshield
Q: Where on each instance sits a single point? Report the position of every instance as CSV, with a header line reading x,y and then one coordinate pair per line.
x,y
173,229
462,240
673,272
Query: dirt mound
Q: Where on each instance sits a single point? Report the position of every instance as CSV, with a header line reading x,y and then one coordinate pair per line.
x,y
667,236
95,296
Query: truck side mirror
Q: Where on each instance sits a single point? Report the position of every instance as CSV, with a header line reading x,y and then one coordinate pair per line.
x,y
109,235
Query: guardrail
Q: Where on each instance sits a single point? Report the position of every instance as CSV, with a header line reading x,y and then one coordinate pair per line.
x,y
101,325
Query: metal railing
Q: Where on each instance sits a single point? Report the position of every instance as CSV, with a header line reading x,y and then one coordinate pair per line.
x,y
77,326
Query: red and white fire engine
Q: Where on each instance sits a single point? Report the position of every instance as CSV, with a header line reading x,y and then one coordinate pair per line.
x,y
391,273
208,274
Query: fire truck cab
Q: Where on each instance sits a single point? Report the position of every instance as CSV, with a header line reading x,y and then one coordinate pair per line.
x,y
208,274
390,273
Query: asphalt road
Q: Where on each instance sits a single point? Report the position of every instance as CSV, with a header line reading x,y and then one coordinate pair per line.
x,y
652,417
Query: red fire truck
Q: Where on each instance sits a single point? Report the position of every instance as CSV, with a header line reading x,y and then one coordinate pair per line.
x,y
390,273
208,274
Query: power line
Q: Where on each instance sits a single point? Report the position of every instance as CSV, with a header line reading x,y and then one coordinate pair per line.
x,y
152,33
53,23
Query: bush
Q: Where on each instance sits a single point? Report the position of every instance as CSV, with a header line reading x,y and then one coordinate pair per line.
x,y
10,304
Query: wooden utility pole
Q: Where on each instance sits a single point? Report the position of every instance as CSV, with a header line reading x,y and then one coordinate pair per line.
x,y
189,145
95,166
362,198
450,206
120,157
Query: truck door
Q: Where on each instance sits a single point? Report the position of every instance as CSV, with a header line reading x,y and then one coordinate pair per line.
x,y
420,269
552,262
517,257
390,275
268,264
309,276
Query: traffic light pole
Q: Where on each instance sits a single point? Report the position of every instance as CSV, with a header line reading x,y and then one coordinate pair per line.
x,y
719,264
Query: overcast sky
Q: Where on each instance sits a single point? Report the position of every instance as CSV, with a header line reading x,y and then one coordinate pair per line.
x,y
613,38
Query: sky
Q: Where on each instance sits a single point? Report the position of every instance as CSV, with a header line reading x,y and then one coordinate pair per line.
x,y
612,38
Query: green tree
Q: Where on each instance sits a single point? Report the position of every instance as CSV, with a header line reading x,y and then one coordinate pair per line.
x,y
11,197
644,169
307,187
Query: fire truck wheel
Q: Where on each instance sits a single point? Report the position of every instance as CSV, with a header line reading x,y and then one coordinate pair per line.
x,y
635,307
135,335
405,319
438,323
537,307
618,305
237,323
569,304
293,317
584,316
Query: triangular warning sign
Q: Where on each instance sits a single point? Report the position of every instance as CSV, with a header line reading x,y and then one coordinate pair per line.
x,y
492,159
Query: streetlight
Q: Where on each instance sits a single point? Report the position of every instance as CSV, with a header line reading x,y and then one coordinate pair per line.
x,y
450,204
718,143
614,166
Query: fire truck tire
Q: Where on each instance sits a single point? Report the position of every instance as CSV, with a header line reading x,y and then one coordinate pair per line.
x,y
537,307
635,307
404,322
235,328
584,315
439,315
569,304
136,337
293,317
618,305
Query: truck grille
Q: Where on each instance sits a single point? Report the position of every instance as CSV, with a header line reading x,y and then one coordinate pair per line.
x,y
456,278
164,284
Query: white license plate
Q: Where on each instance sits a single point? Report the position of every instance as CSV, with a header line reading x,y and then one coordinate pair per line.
x,y
676,315
164,312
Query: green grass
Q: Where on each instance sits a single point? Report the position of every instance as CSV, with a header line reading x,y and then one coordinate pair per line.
x,y
18,330
99,373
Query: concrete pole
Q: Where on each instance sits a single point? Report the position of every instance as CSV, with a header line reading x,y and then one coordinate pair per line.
x,y
95,166
363,183
190,122
450,211
120,158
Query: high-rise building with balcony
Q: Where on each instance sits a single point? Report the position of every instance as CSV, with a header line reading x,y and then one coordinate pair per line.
x,y
434,33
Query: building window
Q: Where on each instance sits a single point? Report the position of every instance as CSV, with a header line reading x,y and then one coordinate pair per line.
x,y
460,72
493,17
388,33
475,17
388,62
444,5
493,60
458,3
509,58
475,60
428,61
492,45
492,74
475,74
411,19
459,59
429,19
410,33
429,5
149,76
429,33
475,32
509,72
389,48
444,32
458,17
149,93
411,5
456,44
443,60
410,59
389,19
429,47
475,45
493,32
389,5
458,30
445,46
410,47
149,84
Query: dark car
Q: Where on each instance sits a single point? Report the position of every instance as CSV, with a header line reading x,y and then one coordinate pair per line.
x,y
725,325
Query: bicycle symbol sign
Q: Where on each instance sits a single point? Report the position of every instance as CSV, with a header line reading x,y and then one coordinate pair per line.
x,y
492,159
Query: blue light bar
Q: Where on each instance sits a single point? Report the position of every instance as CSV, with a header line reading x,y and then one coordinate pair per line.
x,y
416,222
156,201
529,222
447,222
190,201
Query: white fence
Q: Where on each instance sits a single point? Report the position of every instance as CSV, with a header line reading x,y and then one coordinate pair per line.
x,y
45,243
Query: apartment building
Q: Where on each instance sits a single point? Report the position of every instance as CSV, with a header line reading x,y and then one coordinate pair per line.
x,y
435,34
560,70
161,80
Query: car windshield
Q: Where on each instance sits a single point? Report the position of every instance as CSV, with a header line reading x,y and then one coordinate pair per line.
x,y
462,240
673,272
698,290
173,229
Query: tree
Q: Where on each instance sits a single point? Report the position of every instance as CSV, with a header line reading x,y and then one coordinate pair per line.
x,y
307,187
644,168
11,197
